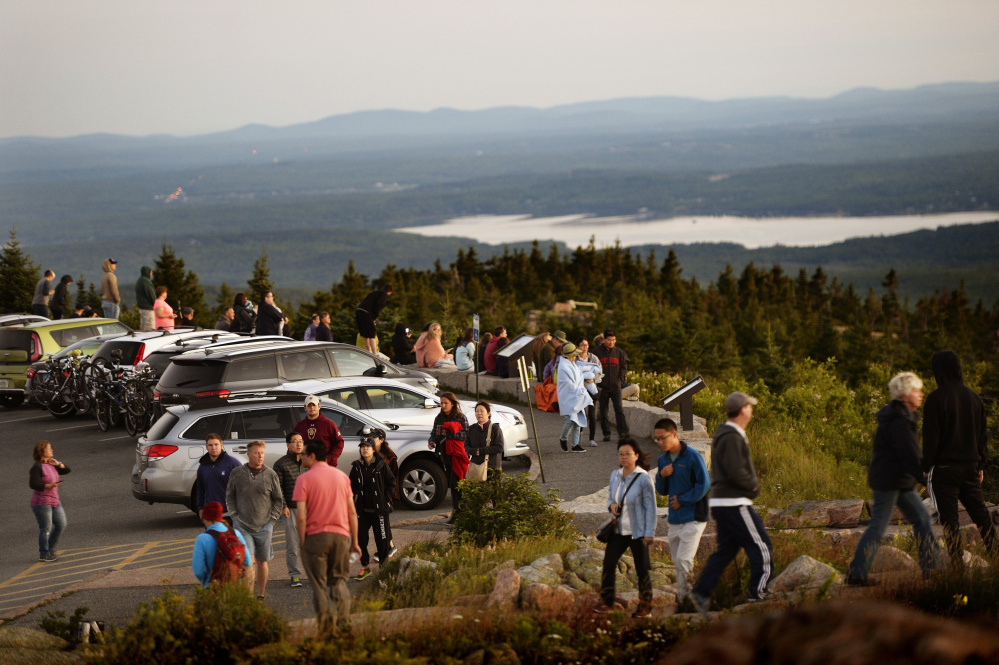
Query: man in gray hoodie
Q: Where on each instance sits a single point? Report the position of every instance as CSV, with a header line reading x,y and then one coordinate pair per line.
x,y
145,297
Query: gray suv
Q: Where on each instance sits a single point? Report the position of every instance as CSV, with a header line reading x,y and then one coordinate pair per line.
x,y
166,459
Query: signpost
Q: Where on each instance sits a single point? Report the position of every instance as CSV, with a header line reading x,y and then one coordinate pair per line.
x,y
525,383
475,338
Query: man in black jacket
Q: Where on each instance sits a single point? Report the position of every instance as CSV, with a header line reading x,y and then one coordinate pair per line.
x,y
367,314
288,469
734,485
269,317
955,448
614,361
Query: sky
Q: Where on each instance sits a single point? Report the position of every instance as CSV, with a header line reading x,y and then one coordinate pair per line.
x,y
185,67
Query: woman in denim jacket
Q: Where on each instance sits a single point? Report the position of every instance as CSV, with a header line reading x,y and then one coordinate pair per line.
x,y
632,498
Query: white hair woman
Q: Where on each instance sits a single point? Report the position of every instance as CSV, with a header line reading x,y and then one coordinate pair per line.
x,y
896,465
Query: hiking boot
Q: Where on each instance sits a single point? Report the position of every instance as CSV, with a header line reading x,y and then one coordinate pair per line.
x,y
578,449
700,603
564,444
643,611
362,573
607,609
296,582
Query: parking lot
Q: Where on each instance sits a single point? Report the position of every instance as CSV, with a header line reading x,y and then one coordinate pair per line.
x,y
109,530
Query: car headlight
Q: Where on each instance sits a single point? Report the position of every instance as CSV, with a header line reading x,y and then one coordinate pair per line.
x,y
512,418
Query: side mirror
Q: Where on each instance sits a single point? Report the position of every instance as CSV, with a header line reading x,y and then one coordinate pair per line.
x,y
431,404
382,369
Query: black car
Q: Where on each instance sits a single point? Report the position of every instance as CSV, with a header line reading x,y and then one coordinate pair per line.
x,y
221,369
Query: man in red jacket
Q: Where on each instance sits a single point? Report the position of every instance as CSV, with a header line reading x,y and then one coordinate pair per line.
x,y
317,427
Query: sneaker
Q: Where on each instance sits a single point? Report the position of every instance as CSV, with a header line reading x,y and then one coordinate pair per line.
x,y
362,573
564,444
391,553
261,598
296,582
643,611
593,444
606,438
578,449
607,609
48,558
700,603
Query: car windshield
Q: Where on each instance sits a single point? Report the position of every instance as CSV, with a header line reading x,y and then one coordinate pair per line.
x,y
162,427
86,348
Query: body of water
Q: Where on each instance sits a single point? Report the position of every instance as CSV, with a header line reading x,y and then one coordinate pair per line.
x,y
575,230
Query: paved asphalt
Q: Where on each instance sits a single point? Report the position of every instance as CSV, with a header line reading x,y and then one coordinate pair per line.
x,y
109,529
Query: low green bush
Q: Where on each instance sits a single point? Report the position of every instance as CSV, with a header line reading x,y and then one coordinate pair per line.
x,y
508,507
219,626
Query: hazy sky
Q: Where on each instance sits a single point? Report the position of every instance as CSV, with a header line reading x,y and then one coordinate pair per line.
x,y
190,66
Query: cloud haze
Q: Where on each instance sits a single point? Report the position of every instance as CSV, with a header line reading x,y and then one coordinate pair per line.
x,y
186,67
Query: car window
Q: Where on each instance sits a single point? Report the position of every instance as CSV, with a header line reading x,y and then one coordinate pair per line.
x,y
252,369
305,365
111,328
68,336
350,362
162,427
129,350
191,375
213,424
265,423
394,398
346,396
348,425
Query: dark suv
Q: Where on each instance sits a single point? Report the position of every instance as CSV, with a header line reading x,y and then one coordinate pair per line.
x,y
218,371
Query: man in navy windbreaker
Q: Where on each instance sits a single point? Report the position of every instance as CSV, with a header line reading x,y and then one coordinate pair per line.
x,y
683,477
214,468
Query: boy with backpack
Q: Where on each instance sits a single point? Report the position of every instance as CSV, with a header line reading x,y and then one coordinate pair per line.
x,y
373,486
220,553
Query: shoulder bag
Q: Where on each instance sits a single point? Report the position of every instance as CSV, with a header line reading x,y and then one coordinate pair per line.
x,y
479,472
609,527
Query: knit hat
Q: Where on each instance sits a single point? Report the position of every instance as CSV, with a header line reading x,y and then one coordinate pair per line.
x,y
212,512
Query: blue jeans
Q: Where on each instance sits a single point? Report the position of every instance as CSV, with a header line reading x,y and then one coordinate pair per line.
x,y
51,522
884,505
570,429
111,310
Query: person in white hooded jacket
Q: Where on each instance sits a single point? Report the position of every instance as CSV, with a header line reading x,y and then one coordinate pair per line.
x,y
572,398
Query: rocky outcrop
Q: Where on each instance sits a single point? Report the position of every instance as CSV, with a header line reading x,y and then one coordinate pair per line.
x,y
506,591
893,560
410,566
840,513
802,575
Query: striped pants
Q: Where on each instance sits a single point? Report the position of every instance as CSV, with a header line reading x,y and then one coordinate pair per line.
x,y
739,527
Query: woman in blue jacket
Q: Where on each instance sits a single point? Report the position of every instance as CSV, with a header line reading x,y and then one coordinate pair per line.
x,y
632,499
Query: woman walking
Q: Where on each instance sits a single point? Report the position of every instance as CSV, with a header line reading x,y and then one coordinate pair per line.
x,y
45,504
448,438
631,498
484,441
572,398
384,451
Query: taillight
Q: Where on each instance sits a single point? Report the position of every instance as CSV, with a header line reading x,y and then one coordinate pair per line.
x,y
36,347
159,451
213,393
141,354
156,395
31,373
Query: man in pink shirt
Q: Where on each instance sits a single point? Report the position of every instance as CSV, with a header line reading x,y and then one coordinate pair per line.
x,y
327,532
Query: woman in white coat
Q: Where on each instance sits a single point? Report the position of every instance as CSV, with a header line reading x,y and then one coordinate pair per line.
x,y
572,398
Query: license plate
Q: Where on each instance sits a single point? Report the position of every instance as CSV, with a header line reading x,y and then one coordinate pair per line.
x,y
5,383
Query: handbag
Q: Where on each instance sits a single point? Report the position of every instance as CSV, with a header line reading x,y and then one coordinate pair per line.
x,y
609,528
480,472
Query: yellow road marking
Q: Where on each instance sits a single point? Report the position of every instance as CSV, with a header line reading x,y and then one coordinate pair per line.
x,y
27,572
135,555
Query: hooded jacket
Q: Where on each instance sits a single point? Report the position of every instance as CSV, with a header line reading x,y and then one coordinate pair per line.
x,y
733,475
402,347
213,478
373,486
109,284
954,427
145,294
895,460
60,301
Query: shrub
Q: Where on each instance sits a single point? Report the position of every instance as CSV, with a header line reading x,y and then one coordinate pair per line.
x,y
508,507
220,626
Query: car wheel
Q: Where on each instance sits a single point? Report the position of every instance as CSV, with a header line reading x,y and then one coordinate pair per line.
x,y
193,504
10,401
422,484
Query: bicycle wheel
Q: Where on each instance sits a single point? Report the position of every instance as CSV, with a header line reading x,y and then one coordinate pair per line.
x,y
82,396
137,397
102,409
115,414
131,426
43,387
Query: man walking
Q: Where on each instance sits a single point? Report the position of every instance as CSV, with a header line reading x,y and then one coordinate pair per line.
x,y
367,314
43,290
214,470
734,485
955,449
327,533
288,469
145,298
615,364
110,298
255,502
683,477
206,545
270,320
317,427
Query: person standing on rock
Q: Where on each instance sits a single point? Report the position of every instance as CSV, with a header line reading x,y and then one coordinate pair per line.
x,y
683,477
367,313
895,468
734,485
955,449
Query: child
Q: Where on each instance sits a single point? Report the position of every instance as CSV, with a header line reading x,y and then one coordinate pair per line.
x,y
373,485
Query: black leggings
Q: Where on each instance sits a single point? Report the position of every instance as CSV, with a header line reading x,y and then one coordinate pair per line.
x,y
617,546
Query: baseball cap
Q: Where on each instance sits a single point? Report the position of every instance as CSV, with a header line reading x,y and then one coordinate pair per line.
x,y
737,400
112,261
311,399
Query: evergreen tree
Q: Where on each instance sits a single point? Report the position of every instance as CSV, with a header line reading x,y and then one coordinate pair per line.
x,y
18,274
183,287
260,283
224,299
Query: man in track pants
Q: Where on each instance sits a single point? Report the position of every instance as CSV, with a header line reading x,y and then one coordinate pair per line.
x,y
734,485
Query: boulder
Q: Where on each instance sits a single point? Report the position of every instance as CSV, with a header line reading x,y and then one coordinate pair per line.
x,y
533,575
893,560
583,557
803,574
661,599
506,591
552,562
576,584
803,514
974,561
547,598
509,563
477,601
410,566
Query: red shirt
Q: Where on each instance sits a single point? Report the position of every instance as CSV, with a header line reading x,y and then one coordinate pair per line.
x,y
326,493
325,430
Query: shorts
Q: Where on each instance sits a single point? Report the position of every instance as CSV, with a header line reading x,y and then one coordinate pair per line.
x,y
260,542
147,320
365,324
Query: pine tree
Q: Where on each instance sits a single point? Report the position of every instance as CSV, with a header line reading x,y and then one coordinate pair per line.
x,y
224,298
18,274
183,287
260,283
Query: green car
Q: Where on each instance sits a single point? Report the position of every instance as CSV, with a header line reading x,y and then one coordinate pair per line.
x,y
22,345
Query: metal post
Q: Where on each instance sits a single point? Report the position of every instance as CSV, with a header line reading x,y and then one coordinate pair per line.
x,y
526,385
475,360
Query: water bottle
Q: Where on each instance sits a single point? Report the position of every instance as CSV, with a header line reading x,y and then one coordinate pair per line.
x,y
354,558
